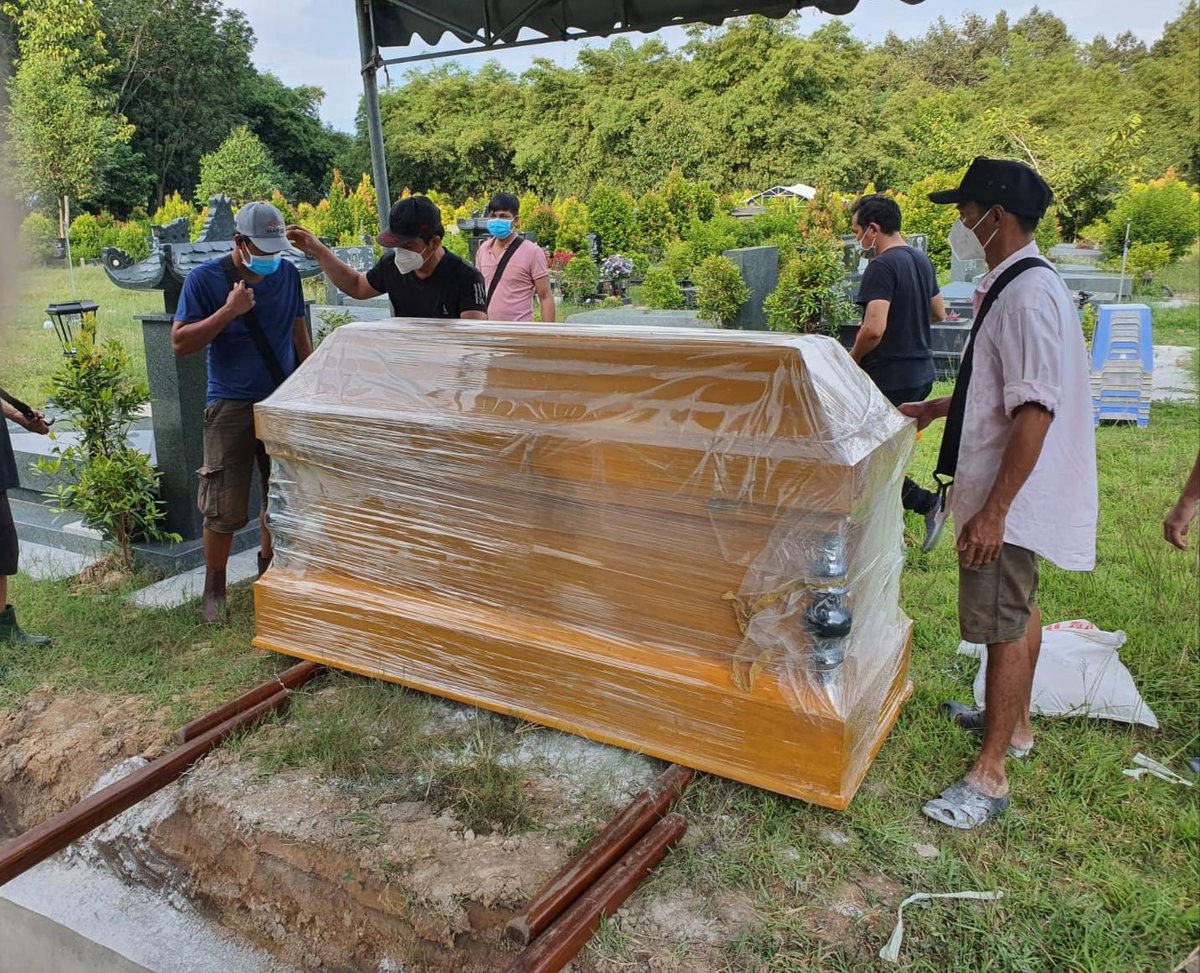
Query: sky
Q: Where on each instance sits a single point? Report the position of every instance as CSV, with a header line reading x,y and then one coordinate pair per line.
x,y
316,42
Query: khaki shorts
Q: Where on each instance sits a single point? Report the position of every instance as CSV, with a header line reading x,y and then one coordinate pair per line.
x,y
231,451
996,601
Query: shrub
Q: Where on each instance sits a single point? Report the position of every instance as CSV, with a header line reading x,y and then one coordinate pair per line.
x,y
611,218
579,278
113,486
810,297
543,225
172,208
457,243
654,223
661,290
37,236
133,241
641,264
681,260
572,225
711,238
1164,210
1146,258
721,290
84,234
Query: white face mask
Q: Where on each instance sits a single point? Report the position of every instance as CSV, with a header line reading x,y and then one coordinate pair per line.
x,y
408,260
964,244
863,250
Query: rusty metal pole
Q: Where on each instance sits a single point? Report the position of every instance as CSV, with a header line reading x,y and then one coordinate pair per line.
x,y
291,678
556,947
51,836
617,838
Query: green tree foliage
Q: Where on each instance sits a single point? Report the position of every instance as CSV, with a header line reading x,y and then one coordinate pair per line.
x,y
240,168
654,223
542,223
661,290
681,260
37,237
572,225
1163,210
611,217
580,279
721,290
809,297
172,208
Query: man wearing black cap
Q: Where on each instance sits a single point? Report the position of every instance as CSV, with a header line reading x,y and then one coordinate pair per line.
x,y
420,277
1019,444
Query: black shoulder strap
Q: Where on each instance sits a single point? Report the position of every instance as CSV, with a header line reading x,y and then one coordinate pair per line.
x,y
274,369
500,268
952,435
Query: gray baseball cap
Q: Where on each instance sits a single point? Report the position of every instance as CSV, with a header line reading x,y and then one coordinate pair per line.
x,y
264,225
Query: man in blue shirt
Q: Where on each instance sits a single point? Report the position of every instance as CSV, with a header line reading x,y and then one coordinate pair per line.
x,y
222,303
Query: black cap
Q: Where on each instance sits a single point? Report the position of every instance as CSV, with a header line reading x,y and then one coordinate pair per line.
x,y
991,182
411,218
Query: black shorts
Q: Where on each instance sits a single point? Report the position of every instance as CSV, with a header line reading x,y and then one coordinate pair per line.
x,y
10,548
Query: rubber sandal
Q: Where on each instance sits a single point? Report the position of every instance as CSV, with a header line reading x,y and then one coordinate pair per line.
x,y
963,807
971,720
1020,753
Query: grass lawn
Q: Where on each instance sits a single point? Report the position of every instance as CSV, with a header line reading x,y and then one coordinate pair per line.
x,y
1100,871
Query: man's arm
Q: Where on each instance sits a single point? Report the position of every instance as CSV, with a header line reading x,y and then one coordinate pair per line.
x,y
188,338
36,424
937,309
870,332
545,299
925,412
1180,517
301,339
983,535
344,277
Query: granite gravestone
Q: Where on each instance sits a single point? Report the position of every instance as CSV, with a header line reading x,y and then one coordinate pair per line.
x,y
759,267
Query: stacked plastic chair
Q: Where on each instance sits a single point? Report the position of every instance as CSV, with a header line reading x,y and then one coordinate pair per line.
x,y
1122,364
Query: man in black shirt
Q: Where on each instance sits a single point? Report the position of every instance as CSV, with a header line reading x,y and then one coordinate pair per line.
x,y
420,277
900,300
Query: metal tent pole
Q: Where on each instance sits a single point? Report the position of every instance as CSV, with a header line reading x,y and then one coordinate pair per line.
x,y
369,55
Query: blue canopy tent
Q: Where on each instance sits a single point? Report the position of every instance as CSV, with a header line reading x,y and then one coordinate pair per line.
x,y
494,25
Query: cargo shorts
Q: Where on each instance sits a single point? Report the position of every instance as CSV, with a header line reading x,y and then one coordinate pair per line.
x,y
995,601
231,452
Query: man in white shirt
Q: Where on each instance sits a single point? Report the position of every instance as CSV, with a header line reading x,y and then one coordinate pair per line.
x,y
1020,446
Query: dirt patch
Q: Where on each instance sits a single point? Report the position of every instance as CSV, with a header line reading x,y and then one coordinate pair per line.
x,y
54,748
325,875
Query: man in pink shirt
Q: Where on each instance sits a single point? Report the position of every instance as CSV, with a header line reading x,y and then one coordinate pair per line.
x,y
514,269
1020,446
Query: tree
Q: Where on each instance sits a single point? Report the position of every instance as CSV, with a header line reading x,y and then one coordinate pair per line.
x,y
182,70
241,168
1163,211
611,218
61,124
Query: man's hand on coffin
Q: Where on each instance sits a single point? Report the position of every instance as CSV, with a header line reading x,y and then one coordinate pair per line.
x,y
926,412
981,538
240,299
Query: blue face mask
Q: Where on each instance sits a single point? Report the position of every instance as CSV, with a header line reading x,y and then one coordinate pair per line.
x,y
263,266
500,228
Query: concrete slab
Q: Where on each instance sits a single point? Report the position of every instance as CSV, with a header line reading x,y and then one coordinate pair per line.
x,y
1173,376
179,590
34,944
43,563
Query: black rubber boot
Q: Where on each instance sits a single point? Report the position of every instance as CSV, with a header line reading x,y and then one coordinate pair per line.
x,y
11,633
214,597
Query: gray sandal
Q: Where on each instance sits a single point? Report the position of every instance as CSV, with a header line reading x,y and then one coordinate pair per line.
x,y
975,721
963,807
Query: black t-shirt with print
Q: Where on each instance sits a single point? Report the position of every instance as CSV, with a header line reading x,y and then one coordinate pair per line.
x,y
453,287
905,277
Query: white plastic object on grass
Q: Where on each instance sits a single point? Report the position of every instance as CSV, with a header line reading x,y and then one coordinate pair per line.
x,y
1143,765
1079,673
891,949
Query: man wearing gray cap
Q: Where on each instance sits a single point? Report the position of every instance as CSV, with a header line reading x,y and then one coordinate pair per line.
x,y
1019,445
247,309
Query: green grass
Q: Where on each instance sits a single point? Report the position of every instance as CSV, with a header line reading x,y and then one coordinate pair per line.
x,y
1176,325
1100,871
31,353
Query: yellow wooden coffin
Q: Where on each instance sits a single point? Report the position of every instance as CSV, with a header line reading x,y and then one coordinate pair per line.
x,y
681,542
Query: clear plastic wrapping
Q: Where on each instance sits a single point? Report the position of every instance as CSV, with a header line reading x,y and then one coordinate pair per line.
x,y
682,542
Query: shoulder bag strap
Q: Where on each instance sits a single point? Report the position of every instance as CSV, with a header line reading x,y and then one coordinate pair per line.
x,y
274,369
512,248
952,435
